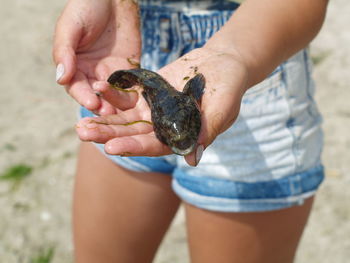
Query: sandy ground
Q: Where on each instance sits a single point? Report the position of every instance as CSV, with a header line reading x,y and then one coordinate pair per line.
x,y
36,127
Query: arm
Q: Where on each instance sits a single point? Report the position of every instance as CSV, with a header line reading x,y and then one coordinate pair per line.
x,y
263,33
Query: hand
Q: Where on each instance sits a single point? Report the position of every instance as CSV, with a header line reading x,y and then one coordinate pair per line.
x,y
93,38
226,79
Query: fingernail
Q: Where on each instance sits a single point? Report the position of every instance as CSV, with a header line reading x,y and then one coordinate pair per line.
x,y
199,153
95,86
59,71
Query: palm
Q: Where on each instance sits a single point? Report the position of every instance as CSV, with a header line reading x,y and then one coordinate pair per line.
x,y
112,50
108,39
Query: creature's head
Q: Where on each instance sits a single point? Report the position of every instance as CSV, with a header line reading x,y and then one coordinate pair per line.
x,y
183,131
181,142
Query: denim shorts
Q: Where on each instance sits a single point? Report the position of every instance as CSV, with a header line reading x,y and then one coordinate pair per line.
x,y
270,157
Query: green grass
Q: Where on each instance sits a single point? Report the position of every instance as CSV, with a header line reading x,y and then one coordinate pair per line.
x,y
10,147
16,172
319,58
44,256
15,175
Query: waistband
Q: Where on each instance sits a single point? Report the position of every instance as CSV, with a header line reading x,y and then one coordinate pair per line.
x,y
190,5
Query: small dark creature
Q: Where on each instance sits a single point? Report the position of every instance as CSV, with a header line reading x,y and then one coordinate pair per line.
x,y
175,115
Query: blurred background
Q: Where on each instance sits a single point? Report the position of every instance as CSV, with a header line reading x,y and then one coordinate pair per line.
x,y
38,143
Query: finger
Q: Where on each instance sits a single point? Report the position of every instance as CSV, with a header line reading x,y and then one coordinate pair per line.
x,y
66,39
194,157
82,92
214,120
137,145
121,124
120,99
65,60
211,127
98,129
105,109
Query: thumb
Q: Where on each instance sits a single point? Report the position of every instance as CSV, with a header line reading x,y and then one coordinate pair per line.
x,y
210,128
213,124
67,36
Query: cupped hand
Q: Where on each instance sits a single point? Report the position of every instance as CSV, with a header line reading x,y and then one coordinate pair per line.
x,y
226,81
92,39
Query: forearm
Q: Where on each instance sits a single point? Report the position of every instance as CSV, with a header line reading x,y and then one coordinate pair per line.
x,y
263,33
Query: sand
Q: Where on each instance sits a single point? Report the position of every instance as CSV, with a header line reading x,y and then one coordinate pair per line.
x,y
37,120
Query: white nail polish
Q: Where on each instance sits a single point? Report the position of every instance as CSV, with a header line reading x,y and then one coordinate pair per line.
x,y
199,153
95,86
59,71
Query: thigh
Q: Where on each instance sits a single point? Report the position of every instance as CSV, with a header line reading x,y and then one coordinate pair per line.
x,y
118,215
258,237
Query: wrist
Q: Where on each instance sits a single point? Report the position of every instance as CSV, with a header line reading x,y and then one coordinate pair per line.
x,y
240,63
